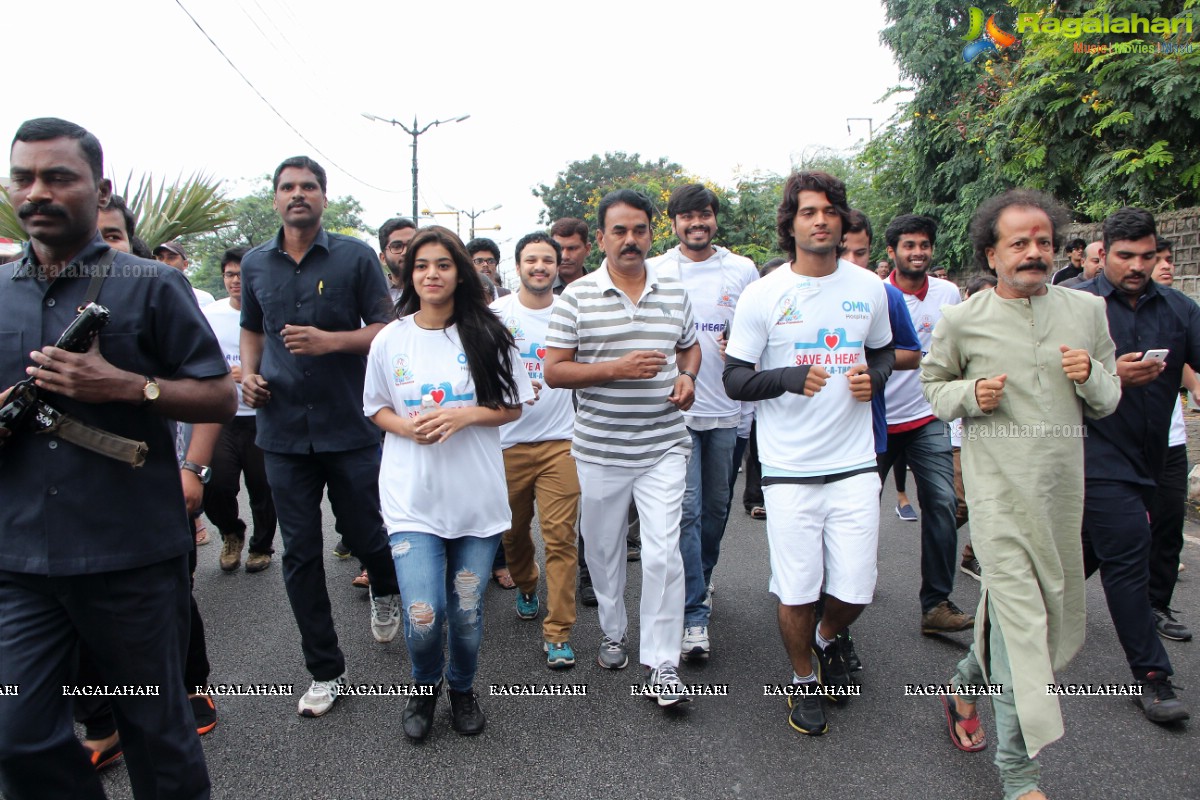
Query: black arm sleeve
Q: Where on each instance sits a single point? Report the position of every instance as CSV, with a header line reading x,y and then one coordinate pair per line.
x,y
879,366
743,382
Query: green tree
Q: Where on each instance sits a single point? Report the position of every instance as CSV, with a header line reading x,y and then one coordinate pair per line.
x,y
1095,129
574,187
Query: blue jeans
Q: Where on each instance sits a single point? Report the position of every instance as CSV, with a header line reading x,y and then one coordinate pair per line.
x,y
705,512
430,570
927,449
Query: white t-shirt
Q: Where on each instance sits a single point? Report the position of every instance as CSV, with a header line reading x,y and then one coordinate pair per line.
x,y
788,320
552,417
905,400
202,297
450,489
714,287
226,322
1178,433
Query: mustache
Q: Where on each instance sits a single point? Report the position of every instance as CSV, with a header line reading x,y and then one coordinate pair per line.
x,y
631,250
47,209
1036,264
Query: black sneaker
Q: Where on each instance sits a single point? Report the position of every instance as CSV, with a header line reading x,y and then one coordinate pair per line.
x,y
417,718
846,642
832,673
1158,701
587,595
970,568
1170,628
807,713
466,716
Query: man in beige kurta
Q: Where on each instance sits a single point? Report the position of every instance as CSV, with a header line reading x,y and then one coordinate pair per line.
x,y
1022,365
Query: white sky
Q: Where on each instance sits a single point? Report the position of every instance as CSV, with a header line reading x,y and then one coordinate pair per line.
x,y
717,87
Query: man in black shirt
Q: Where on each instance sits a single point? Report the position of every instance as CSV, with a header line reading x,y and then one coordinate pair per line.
x,y
312,302
92,550
1126,452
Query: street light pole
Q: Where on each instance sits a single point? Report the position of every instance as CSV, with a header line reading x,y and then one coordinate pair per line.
x,y
414,132
473,215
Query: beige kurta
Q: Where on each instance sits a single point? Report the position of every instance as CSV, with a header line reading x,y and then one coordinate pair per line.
x,y
1023,469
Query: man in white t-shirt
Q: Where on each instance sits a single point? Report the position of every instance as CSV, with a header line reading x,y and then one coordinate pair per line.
x,y
819,332
537,458
714,279
915,433
236,454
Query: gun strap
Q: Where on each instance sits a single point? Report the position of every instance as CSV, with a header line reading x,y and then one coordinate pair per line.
x,y
93,290
50,420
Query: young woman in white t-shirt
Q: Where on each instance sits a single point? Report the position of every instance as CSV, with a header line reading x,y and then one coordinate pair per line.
x,y
451,350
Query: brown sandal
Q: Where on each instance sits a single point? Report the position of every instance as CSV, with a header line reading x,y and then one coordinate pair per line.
x,y
758,512
503,579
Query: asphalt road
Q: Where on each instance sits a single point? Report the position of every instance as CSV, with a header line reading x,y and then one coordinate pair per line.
x,y
609,744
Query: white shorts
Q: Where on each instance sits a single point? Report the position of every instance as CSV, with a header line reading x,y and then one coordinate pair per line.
x,y
824,534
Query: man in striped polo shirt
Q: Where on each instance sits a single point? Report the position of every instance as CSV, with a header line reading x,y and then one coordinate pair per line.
x,y
624,337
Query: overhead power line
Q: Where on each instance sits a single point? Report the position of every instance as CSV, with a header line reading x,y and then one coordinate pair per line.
x,y
284,119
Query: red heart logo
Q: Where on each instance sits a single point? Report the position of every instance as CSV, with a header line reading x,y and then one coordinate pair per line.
x,y
438,395
541,352
831,340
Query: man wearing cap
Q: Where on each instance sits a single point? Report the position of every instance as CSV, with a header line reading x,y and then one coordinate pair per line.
x,y
173,255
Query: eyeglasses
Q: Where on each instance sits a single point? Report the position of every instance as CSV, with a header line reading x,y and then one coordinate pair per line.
x,y
397,247
484,262
232,274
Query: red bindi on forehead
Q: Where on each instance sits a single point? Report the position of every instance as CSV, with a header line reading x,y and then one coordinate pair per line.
x,y
1037,229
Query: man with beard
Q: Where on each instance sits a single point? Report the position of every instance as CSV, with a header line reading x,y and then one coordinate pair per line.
x,y
312,302
1127,452
1093,259
1022,365
819,333
537,458
394,236
121,586
913,431
714,279
624,337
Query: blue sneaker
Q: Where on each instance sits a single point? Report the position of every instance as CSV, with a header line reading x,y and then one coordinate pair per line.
x,y
528,605
559,655
906,512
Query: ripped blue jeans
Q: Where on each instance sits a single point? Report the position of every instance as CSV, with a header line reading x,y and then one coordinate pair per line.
x,y
442,582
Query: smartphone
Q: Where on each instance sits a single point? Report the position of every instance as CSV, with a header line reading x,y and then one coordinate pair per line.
x,y
725,331
1155,355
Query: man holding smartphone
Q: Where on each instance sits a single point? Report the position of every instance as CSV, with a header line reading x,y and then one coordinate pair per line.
x,y
1126,452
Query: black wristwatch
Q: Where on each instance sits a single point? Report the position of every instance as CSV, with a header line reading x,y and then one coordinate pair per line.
x,y
204,473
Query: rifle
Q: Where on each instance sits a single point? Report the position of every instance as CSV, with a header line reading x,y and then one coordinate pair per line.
x,y
26,410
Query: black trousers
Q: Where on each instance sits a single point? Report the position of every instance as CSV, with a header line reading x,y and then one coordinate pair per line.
x,y
298,483
752,492
235,455
1166,527
96,713
135,625
1116,541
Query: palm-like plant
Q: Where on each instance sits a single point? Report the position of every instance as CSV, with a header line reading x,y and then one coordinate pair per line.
x,y
164,212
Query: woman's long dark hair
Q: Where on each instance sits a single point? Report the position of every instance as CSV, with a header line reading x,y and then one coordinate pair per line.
x,y
487,344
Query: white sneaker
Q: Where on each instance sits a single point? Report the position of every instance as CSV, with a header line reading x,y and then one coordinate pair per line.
x,y
321,696
695,642
385,617
663,685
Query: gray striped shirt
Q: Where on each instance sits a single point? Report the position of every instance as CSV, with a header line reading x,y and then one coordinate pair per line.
x,y
626,423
